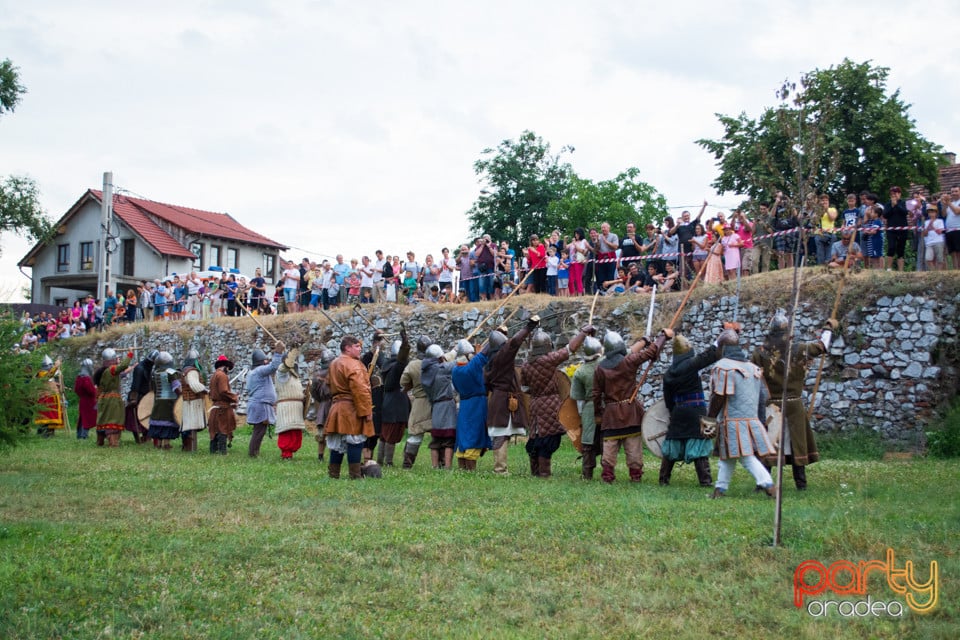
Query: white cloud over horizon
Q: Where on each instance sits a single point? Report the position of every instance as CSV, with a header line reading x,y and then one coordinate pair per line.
x,y
345,127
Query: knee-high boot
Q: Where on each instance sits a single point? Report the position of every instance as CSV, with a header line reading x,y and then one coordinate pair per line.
x,y
543,465
410,455
333,470
222,444
534,466
388,450
702,465
666,469
800,477
589,462
381,453
354,468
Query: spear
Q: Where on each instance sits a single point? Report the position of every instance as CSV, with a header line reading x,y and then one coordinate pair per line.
x,y
255,319
784,431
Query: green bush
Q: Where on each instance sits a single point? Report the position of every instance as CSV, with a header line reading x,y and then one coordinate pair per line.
x,y
19,388
944,440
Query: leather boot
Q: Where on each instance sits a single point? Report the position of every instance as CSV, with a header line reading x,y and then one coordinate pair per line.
x,y
636,475
500,460
113,440
190,443
589,463
702,466
213,444
606,473
666,469
101,438
462,464
544,467
388,450
409,455
800,477
222,444
333,471
366,454
381,453
534,466
471,465
354,468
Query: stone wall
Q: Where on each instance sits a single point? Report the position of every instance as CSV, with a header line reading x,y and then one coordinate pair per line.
x,y
893,364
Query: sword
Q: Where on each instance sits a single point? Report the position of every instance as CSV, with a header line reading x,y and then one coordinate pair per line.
x,y
653,299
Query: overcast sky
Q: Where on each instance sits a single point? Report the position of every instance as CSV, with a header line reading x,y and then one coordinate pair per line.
x,y
350,126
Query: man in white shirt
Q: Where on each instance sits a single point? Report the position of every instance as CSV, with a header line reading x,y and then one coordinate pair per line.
x,y
951,223
378,292
366,280
194,302
291,286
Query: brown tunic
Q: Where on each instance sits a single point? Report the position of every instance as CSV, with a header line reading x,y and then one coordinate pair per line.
x,y
352,410
540,377
616,407
501,380
222,419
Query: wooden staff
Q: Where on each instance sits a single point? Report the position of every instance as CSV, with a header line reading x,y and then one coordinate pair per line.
x,y
500,306
833,316
593,306
260,324
505,321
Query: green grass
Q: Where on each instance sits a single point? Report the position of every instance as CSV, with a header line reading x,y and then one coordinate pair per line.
x,y
137,543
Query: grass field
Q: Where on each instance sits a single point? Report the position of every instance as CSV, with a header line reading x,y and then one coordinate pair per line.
x,y
130,543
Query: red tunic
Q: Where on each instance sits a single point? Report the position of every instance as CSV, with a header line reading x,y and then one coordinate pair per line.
x,y
87,392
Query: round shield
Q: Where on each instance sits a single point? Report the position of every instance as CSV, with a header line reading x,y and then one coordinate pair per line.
x,y
144,409
178,410
654,426
774,425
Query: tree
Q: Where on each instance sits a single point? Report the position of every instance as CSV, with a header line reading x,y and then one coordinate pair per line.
x,y
519,181
19,388
838,132
528,190
20,210
623,199
10,87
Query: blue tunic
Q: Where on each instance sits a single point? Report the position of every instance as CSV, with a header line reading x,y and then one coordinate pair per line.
x,y
472,418
262,402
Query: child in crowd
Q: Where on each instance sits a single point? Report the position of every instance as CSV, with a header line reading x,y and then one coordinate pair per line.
x,y
409,286
553,263
353,287
873,237
563,278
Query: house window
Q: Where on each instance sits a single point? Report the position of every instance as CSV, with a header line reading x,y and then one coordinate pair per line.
x,y
215,256
269,266
231,259
63,258
60,302
129,245
86,256
196,248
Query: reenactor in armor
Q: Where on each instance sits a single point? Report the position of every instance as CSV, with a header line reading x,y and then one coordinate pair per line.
x,y
166,387
193,392
581,390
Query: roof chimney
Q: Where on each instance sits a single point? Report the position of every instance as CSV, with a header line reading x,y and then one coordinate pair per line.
x,y
951,157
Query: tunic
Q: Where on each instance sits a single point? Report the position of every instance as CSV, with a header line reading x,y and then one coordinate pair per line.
x,y
87,393
500,376
222,418
539,376
194,406
51,412
437,382
261,404
110,413
419,421
683,396
352,410
801,447
618,412
163,422
396,403
139,387
472,418
740,431
581,390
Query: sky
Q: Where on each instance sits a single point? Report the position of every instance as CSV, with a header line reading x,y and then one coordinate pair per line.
x,y
344,127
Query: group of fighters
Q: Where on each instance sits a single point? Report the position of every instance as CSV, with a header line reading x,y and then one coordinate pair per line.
x,y
474,400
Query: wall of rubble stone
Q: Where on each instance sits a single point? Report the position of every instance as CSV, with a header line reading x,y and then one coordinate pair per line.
x,y
893,364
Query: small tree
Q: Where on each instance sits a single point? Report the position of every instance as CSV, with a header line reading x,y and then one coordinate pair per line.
x,y
19,386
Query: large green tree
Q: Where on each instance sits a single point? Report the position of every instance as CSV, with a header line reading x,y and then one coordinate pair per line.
x,y
20,210
527,189
836,131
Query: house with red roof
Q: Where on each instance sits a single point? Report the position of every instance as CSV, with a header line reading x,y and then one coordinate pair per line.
x,y
147,240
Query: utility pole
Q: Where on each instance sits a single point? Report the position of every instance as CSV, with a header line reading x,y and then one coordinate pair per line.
x,y
106,219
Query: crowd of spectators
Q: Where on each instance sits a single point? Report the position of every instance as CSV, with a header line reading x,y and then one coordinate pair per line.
x,y
776,235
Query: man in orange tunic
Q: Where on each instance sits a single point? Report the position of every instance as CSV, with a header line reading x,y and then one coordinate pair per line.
x,y
350,422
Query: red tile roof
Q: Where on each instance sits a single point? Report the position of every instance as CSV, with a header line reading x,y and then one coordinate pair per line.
x,y
134,212
949,177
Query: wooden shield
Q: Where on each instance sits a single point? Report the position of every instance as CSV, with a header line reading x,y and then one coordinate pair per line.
x,y
654,427
178,410
774,425
207,404
568,416
144,409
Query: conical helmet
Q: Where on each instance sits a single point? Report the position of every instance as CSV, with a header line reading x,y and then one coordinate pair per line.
x,y
422,343
434,351
464,348
591,348
164,360
258,357
541,344
613,343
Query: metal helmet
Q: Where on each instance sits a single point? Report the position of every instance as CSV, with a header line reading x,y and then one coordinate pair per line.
x,y
779,323
681,345
422,343
86,367
464,348
326,357
46,364
191,359
591,348
541,343
497,339
434,351
395,348
152,356
164,359
613,343
728,338
258,357
109,354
